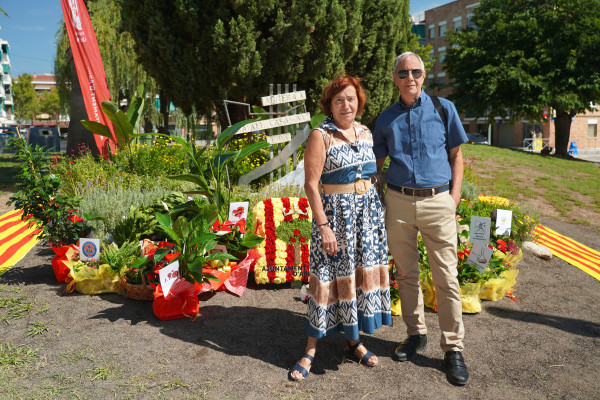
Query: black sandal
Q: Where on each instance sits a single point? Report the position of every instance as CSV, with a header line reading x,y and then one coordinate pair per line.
x,y
351,351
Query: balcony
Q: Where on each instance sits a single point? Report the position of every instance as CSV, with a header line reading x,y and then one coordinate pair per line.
x,y
8,99
6,79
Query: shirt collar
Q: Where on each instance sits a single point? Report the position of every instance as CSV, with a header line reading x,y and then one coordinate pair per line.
x,y
418,102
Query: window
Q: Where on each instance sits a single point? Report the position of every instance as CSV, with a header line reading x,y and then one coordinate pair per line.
x,y
441,78
441,54
592,128
431,31
457,24
442,28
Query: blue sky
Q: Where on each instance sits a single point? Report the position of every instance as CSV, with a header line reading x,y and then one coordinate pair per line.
x,y
31,27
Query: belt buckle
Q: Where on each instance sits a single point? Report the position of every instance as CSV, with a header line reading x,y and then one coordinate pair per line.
x,y
360,186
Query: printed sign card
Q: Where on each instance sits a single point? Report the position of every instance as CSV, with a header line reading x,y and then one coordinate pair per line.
x,y
89,249
503,222
238,211
168,275
480,230
480,256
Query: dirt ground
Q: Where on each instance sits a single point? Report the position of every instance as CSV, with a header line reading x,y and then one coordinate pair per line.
x,y
546,345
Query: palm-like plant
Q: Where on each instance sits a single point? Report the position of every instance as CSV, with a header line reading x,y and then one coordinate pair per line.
x,y
216,162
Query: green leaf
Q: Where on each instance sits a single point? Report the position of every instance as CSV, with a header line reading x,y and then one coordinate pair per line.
x,y
260,110
97,128
92,217
229,132
317,119
247,150
182,227
251,240
222,159
123,128
164,220
196,179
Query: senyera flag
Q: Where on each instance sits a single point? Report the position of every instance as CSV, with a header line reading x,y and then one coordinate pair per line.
x,y
88,64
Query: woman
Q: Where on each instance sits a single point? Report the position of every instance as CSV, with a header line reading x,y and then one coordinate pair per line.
x,y
349,284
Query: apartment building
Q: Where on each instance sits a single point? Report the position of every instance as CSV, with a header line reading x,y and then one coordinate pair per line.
x,y
6,93
458,15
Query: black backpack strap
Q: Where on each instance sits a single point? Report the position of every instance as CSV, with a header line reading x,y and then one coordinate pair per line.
x,y
438,106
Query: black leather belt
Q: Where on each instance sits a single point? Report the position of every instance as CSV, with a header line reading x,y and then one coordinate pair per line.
x,y
419,192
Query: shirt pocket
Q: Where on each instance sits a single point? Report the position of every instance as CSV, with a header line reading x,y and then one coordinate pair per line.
x,y
433,138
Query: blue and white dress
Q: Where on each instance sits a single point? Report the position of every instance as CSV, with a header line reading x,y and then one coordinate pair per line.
x,y
349,291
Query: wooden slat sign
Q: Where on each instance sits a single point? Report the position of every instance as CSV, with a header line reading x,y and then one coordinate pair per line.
x,y
283,98
285,137
275,122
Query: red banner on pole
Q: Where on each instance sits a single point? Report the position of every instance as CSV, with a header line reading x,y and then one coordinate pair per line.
x,y
88,64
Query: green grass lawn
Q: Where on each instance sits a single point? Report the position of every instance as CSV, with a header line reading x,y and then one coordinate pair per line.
x,y
523,176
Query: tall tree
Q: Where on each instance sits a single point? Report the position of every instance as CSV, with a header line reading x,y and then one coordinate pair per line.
x,y
528,55
25,99
50,103
386,33
204,51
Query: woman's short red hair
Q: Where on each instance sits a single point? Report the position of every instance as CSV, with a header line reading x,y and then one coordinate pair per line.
x,y
336,86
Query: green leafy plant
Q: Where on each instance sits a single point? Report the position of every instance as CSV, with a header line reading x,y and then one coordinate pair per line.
x,y
126,125
39,198
194,241
235,237
120,257
215,161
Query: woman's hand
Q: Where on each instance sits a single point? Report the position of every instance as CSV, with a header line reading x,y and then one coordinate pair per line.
x,y
328,239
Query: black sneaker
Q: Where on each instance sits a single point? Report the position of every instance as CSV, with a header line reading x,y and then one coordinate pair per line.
x,y
456,369
407,350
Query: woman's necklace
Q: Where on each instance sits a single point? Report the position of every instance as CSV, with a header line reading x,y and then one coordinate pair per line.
x,y
349,137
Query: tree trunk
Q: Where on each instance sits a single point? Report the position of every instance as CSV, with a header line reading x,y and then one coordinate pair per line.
x,y
78,136
164,112
562,131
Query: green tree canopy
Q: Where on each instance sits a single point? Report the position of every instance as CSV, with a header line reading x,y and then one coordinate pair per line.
x,y
526,56
25,99
49,103
204,51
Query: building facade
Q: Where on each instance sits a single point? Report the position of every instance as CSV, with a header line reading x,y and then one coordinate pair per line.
x,y
6,93
458,15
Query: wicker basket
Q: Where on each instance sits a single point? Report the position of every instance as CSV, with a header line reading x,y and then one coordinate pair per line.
x,y
142,292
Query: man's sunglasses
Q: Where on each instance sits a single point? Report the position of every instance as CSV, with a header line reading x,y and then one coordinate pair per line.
x,y
416,73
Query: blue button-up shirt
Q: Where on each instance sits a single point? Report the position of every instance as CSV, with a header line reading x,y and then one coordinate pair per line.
x,y
415,140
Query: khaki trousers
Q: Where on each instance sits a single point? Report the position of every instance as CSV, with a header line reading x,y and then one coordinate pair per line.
x,y
434,217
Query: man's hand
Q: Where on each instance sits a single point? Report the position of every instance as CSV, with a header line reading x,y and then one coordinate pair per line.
x,y
456,197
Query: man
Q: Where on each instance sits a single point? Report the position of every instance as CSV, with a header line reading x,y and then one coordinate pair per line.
x,y
424,182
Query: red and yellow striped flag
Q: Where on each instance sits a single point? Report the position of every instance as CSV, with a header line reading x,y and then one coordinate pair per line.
x,y
575,253
16,239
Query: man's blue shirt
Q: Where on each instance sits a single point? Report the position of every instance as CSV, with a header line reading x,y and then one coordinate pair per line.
x,y
415,140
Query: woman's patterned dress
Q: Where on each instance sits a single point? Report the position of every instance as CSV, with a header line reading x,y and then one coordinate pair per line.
x,y
349,291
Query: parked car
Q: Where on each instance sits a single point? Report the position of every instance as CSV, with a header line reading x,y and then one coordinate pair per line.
x,y
476,138
6,134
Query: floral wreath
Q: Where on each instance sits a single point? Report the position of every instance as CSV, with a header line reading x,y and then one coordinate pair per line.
x,y
285,223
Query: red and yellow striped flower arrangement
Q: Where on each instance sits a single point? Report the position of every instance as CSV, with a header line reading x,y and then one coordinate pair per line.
x,y
285,223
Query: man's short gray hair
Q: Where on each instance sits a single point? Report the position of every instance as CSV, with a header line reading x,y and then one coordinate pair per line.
x,y
405,55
